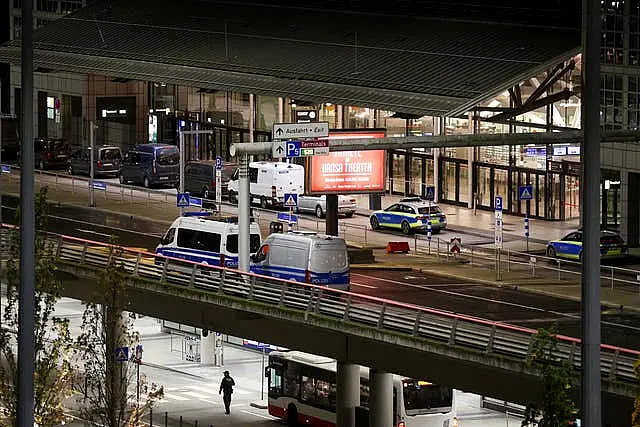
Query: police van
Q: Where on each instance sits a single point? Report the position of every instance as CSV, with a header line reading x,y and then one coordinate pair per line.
x,y
269,182
303,257
206,240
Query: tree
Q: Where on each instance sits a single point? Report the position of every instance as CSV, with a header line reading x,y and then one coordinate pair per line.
x,y
557,407
635,416
53,342
106,328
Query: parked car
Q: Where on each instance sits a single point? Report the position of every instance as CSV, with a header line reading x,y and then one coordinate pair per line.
x,y
51,153
200,178
409,215
106,161
318,204
151,164
570,246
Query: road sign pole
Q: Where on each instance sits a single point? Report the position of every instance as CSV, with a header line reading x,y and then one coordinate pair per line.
x,y
290,224
92,168
181,148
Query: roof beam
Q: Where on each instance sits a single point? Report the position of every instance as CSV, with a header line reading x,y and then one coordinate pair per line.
x,y
550,99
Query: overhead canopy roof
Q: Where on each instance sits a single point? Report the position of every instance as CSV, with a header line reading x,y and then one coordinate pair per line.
x,y
415,65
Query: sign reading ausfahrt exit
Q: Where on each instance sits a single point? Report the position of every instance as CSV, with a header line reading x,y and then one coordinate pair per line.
x,y
300,130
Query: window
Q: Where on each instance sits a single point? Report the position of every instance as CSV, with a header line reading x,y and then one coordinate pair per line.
x,y
392,208
328,260
611,101
200,240
253,175
275,382
292,380
232,243
68,6
47,6
17,27
612,21
168,237
168,157
110,154
432,209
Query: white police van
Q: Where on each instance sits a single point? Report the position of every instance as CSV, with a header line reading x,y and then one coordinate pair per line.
x,y
206,240
304,257
269,182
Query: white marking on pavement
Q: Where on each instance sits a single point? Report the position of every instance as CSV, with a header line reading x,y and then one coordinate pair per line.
x,y
364,286
171,396
93,232
197,395
266,417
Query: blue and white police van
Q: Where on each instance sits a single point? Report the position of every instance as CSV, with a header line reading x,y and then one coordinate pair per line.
x,y
206,240
303,257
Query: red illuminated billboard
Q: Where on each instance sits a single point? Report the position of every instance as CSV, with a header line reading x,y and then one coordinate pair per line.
x,y
348,172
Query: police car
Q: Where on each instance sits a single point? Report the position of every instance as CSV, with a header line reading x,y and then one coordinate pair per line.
x,y
410,215
570,246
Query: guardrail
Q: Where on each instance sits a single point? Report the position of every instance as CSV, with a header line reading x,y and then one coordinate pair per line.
x,y
504,260
367,311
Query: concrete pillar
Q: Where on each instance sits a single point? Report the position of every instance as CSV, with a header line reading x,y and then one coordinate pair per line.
x,y
331,219
623,204
280,117
438,129
469,189
348,394
372,117
211,348
381,400
339,117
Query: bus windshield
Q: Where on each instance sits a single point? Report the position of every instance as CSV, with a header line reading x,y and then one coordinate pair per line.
x,y
423,396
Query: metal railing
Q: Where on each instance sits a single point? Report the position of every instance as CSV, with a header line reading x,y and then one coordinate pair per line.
x,y
463,331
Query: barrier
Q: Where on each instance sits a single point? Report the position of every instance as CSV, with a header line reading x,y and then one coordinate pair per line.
x,y
393,247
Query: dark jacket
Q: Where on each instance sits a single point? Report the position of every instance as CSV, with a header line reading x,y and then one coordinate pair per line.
x,y
227,384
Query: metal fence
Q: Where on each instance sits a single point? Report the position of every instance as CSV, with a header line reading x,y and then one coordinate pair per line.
x,y
465,332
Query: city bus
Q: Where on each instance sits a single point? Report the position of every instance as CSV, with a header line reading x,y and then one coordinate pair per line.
x,y
302,391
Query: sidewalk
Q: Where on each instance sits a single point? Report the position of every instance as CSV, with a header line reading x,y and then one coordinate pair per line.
x,y
461,218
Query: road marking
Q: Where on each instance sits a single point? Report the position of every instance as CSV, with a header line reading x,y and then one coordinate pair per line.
x,y
196,395
93,232
364,286
266,417
171,396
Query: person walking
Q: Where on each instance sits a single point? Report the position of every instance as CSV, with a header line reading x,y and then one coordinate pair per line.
x,y
226,389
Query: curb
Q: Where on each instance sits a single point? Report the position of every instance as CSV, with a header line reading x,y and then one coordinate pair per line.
x,y
394,267
258,405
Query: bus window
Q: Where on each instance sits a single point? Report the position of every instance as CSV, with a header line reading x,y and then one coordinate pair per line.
x,y
275,382
291,380
364,393
421,395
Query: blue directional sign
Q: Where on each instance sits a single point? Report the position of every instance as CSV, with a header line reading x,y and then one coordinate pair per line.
x,y
6,169
285,217
122,354
182,200
430,193
293,148
99,185
195,202
290,200
498,203
218,162
525,192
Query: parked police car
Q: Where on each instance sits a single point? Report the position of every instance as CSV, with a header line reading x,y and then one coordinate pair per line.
x,y
570,246
409,215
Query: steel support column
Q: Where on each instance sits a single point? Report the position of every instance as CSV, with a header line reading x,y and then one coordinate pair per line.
x,y
591,397
244,213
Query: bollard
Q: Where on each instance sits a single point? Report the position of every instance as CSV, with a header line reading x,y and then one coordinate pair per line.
x,y
415,243
150,417
558,261
195,424
166,418
180,420
611,278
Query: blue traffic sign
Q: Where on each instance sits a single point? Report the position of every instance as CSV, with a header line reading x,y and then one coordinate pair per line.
x,y
6,169
525,192
290,200
285,217
99,185
498,203
182,200
430,193
218,162
196,202
122,354
293,148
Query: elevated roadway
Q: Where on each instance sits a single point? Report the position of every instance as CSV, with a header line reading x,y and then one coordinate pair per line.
x,y
471,354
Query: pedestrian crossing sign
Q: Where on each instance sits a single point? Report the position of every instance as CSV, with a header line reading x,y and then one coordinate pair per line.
x,y
122,354
430,193
526,192
291,200
182,200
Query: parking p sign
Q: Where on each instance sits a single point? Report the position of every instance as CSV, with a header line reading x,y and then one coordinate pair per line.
x,y
498,203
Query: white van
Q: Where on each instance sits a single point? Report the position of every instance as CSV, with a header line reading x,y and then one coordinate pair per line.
x,y
268,182
206,240
303,257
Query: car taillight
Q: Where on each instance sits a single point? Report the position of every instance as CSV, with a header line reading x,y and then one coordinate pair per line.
x,y
273,191
307,276
99,164
422,217
401,424
49,154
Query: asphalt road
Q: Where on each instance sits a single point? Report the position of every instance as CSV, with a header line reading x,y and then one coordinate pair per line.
x,y
490,302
